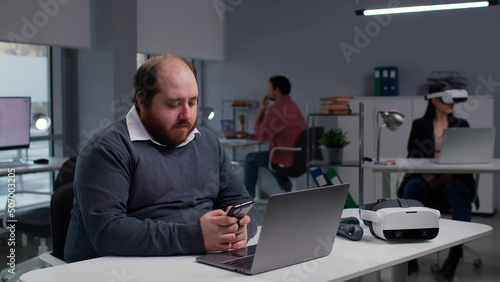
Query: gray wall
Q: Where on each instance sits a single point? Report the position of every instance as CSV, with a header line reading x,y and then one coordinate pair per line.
x,y
105,72
52,22
302,39
192,28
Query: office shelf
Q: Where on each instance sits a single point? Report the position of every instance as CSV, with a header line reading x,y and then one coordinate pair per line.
x,y
327,164
232,109
311,122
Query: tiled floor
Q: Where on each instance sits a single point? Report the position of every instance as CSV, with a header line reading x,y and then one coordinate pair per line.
x,y
488,247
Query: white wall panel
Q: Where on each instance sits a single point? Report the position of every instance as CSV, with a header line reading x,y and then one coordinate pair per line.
x,y
191,28
62,23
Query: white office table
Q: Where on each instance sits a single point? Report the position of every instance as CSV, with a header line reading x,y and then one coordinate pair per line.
x,y
233,144
349,259
428,166
240,142
53,165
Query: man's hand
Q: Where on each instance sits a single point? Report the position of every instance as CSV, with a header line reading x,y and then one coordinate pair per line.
x,y
219,230
241,233
222,232
264,103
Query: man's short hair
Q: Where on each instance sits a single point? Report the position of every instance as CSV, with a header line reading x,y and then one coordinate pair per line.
x,y
281,82
145,78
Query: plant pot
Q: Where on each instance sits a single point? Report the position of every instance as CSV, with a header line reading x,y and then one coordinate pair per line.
x,y
334,155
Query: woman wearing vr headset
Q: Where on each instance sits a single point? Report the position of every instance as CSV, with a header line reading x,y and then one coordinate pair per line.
x,y
454,191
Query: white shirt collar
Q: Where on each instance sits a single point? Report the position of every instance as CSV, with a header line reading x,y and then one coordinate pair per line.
x,y
137,131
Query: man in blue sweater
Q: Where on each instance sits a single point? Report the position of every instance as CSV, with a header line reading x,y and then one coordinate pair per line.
x,y
153,183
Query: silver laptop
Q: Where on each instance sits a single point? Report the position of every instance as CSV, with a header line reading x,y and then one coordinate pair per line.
x,y
298,226
467,145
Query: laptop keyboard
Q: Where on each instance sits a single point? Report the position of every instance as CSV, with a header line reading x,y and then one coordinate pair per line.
x,y
242,262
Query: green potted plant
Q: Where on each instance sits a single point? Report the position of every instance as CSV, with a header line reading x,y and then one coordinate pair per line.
x,y
334,140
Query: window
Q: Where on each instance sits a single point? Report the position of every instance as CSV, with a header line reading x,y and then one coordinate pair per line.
x,y
25,71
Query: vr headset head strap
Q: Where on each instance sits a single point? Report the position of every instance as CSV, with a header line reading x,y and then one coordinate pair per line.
x,y
449,96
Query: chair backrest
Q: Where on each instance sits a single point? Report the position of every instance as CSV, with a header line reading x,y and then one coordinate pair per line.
x,y
299,162
61,206
300,157
66,173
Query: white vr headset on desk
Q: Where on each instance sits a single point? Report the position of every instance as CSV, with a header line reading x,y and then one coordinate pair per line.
x,y
451,96
400,219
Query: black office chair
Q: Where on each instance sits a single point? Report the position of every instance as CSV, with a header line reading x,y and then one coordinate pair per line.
x,y
37,222
61,205
300,156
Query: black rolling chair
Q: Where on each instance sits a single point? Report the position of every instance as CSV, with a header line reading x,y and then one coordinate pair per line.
x,y
300,156
37,222
60,210
60,207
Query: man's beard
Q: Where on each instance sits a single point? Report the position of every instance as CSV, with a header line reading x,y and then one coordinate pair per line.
x,y
167,136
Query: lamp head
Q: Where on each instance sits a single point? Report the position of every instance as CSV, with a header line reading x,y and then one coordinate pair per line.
x,y
40,122
392,119
207,113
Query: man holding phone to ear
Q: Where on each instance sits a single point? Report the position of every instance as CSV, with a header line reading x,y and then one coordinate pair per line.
x,y
281,125
154,183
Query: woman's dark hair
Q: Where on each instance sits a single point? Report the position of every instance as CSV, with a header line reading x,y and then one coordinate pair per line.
x,y
438,86
145,78
282,83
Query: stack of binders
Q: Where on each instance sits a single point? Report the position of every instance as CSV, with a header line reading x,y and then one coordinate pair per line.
x,y
386,81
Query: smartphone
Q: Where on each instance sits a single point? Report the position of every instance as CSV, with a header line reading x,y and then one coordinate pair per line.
x,y
240,209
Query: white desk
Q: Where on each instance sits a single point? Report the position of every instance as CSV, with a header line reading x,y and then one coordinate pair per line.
x,y
233,144
348,260
240,142
427,166
53,165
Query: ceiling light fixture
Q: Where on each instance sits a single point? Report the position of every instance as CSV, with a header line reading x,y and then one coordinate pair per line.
x,y
426,8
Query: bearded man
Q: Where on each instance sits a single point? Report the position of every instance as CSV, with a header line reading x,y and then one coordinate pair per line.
x,y
154,183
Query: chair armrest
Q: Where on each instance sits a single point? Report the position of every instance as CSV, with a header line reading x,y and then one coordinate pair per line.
x,y
269,165
5,211
51,260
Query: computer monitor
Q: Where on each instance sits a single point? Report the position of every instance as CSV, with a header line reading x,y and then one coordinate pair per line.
x,y
15,113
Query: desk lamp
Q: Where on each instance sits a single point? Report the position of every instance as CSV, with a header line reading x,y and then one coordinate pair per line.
x,y
392,120
207,113
40,122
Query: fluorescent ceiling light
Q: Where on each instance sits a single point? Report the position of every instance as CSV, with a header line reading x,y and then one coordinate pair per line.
x,y
426,8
